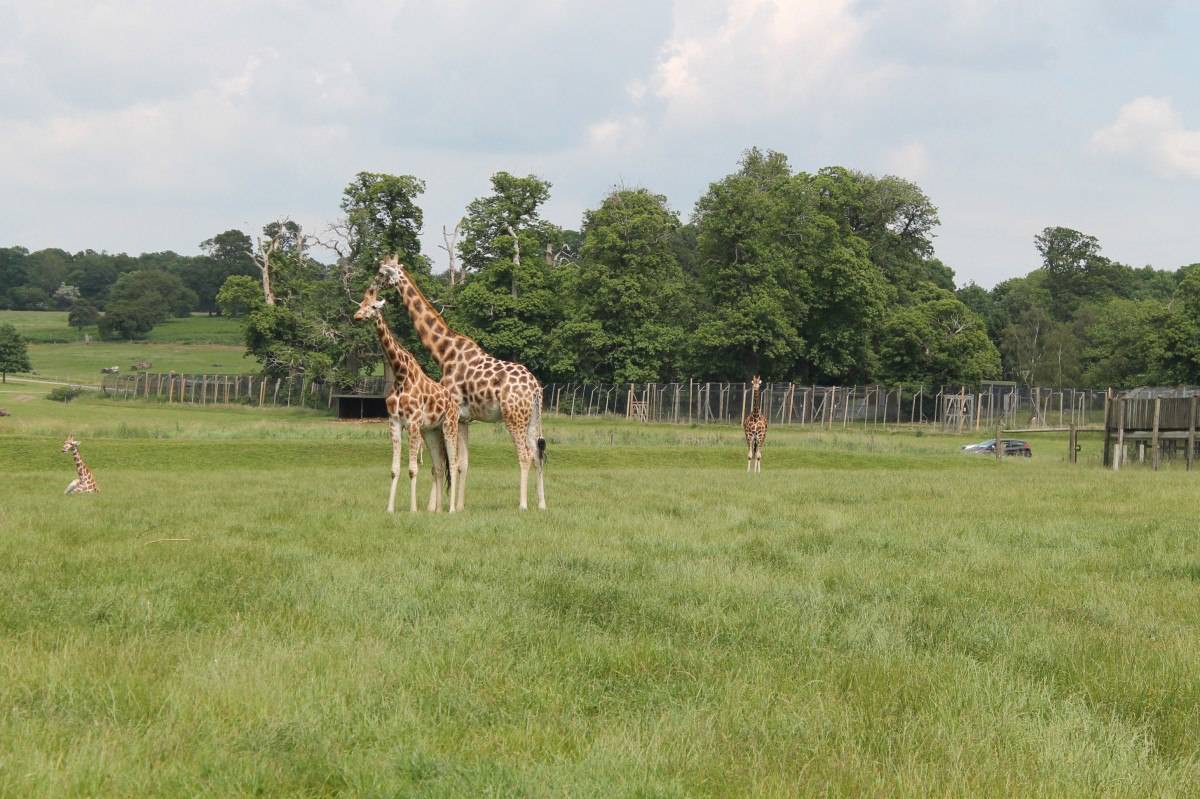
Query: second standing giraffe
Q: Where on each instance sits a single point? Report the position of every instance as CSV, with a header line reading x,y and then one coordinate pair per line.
x,y
423,404
486,388
755,427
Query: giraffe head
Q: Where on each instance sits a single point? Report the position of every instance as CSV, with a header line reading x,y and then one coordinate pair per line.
x,y
371,304
70,444
755,384
391,271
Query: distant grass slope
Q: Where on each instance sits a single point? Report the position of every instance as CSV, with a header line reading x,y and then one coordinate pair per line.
x,y
82,362
875,615
197,344
52,327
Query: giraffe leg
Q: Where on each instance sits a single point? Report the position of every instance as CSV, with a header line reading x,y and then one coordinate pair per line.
x,y
437,460
537,448
450,441
414,434
463,462
749,457
396,446
517,430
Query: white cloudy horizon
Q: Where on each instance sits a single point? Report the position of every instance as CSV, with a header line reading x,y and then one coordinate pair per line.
x,y
135,126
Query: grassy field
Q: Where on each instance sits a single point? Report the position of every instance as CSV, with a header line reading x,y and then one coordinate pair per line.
x,y
197,344
874,615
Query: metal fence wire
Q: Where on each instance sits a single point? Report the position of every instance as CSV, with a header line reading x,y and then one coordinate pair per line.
x,y
948,407
961,408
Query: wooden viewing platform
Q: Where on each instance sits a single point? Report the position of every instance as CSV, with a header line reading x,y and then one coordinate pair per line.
x,y
1157,415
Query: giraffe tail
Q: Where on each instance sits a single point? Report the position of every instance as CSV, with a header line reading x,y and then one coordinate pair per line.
x,y
446,464
536,442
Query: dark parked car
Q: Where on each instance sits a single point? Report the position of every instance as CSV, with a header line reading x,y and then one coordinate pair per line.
x,y
1012,446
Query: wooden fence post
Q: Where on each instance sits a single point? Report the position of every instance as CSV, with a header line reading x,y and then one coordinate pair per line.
x,y
1191,439
1155,444
1119,455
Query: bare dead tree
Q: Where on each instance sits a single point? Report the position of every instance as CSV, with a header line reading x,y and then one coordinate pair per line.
x,y
262,257
451,249
516,256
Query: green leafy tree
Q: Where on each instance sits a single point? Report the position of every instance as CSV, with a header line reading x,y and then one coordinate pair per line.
x,y
47,269
226,254
937,342
82,314
14,354
628,302
239,295
140,300
1129,343
383,218
162,288
512,301
29,298
95,273
749,318
13,272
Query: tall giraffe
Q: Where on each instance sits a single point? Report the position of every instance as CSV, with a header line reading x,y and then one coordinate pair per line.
x,y
85,482
485,388
755,427
423,404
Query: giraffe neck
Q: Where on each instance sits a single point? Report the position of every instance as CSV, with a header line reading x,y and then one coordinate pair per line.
x,y
403,363
430,326
754,400
81,468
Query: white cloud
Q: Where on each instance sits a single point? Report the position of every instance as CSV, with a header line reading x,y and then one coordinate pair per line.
x,y
757,55
1150,130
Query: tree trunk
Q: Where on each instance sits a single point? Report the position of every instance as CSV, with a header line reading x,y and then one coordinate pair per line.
x,y
516,258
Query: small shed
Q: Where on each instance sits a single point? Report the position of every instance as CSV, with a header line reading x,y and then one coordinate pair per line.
x,y
1160,419
361,406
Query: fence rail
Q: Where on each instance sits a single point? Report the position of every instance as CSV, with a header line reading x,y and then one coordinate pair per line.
x,y
959,408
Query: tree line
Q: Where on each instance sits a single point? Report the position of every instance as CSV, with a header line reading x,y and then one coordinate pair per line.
x,y
824,277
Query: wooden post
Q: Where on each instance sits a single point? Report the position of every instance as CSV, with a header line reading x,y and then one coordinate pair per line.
x,y
1108,452
1119,455
998,447
1071,444
1155,444
1191,439
846,408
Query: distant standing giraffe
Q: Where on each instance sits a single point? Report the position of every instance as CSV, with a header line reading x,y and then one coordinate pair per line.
x,y
485,388
423,404
85,483
756,429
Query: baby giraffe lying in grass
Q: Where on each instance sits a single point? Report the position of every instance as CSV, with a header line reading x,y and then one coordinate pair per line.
x,y
85,483
420,402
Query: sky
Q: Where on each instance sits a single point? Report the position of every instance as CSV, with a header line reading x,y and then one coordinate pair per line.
x,y
145,126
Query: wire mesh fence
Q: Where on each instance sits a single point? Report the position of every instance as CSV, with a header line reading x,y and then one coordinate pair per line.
x,y
948,407
961,408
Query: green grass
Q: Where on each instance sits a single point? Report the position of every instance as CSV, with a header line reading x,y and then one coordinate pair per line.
x,y
83,362
51,327
874,615
194,345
